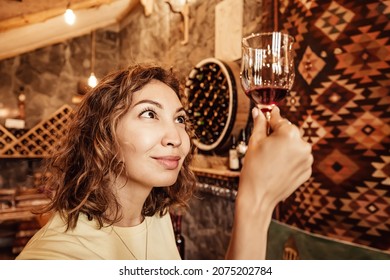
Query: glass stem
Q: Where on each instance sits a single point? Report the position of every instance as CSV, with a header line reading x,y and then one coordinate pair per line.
x,y
266,109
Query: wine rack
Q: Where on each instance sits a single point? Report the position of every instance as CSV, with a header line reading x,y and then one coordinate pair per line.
x,y
38,141
217,107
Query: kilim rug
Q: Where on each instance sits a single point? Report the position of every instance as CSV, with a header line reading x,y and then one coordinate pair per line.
x,y
340,101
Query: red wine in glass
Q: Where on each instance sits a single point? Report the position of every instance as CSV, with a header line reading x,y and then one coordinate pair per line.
x,y
268,96
267,69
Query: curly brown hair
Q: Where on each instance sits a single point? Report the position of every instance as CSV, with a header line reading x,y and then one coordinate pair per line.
x,y
87,158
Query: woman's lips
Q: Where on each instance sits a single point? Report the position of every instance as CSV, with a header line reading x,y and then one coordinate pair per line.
x,y
168,162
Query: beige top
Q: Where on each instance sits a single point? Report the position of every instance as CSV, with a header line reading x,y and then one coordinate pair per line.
x,y
88,242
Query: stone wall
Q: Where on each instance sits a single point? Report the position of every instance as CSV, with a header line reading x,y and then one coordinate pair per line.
x,y
49,78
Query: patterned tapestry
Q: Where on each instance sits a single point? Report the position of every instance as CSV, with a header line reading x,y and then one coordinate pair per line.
x,y
340,100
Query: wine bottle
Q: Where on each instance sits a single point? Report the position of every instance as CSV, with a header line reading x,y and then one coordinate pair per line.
x,y
242,147
21,104
179,238
234,163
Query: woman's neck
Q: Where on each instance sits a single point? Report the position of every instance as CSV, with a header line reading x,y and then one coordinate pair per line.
x,y
129,221
131,197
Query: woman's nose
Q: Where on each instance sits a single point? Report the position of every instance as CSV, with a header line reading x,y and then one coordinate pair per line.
x,y
172,136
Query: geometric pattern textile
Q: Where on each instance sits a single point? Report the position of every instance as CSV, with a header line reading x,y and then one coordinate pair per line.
x,y
341,102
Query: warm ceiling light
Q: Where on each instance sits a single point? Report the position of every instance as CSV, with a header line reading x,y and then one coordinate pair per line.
x,y
70,17
92,81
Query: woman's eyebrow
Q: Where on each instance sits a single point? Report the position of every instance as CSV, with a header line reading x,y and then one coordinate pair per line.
x,y
149,102
158,105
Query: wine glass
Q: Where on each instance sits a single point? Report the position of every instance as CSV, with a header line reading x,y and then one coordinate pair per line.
x,y
267,69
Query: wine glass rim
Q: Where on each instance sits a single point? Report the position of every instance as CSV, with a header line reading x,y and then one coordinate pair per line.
x,y
244,39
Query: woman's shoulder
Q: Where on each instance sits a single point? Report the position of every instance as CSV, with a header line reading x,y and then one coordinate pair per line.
x,y
160,225
160,220
54,241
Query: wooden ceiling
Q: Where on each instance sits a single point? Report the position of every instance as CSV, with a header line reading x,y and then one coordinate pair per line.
x,y
29,24
17,13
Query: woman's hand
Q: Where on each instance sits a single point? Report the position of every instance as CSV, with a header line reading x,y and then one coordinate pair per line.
x,y
275,166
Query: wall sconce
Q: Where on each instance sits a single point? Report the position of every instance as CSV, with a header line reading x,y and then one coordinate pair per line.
x,y
69,16
185,14
92,81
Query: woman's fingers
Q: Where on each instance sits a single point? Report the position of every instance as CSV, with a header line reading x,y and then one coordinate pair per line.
x,y
259,125
275,164
282,125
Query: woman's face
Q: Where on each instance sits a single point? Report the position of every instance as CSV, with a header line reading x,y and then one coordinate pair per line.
x,y
152,136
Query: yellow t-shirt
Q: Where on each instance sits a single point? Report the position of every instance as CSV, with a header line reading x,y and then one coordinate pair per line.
x,y
153,238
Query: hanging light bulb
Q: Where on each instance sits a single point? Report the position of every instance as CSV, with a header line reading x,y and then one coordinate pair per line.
x,y
92,81
69,16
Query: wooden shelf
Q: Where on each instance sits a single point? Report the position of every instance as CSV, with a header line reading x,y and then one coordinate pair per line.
x,y
210,172
21,205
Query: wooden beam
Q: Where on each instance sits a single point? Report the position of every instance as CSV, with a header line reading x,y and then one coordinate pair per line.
x,y
127,11
54,30
42,16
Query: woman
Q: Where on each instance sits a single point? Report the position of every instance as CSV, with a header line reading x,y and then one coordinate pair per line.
x,y
125,161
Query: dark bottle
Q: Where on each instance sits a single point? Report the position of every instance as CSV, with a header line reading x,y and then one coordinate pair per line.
x,y
21,104
179,238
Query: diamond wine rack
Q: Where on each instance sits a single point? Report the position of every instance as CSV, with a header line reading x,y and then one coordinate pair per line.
x,y
37,142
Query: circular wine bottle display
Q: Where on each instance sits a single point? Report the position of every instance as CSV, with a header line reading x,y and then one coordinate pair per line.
x,y
216,107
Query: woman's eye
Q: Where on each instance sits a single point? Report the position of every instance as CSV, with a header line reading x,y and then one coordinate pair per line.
x,y
181,119
149,114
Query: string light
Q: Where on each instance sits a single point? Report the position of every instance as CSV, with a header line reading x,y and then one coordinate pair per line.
x,y
69,16
92,80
